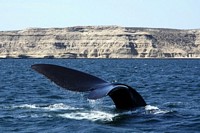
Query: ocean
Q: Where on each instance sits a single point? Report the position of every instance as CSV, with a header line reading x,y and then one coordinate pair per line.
x,y
31,103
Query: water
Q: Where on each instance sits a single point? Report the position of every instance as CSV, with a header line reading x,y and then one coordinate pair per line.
x,y
31,103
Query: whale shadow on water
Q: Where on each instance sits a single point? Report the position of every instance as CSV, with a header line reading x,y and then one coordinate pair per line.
x,y
123,96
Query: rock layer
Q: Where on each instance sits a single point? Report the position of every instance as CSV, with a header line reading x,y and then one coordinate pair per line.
x,y
100,42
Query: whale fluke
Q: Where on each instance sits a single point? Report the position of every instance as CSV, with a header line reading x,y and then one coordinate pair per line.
x,y
122,95
67,78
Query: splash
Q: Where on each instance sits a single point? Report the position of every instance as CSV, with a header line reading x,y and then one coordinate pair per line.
x,y
52,107
75,113
154,110
90,115
60,106
29,106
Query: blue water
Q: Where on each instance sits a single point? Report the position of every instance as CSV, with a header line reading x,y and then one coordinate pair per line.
x,y
31,103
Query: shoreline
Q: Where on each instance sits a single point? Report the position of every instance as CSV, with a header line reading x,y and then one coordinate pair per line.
x,y
100,42
181,58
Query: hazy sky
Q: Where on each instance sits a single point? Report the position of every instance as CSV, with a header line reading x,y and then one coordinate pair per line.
x,y
22,14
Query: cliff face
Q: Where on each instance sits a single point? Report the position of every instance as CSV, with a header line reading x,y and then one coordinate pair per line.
x,y
99,42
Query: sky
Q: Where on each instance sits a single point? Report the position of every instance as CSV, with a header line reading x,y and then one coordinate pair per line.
x,y
23,14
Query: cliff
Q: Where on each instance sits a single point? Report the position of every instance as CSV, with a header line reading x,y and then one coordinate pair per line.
x,y
99,42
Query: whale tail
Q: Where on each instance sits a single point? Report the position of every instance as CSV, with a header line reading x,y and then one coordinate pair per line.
x,y
122,95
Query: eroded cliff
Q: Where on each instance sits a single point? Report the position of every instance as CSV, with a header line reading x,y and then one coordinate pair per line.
x,y
99,42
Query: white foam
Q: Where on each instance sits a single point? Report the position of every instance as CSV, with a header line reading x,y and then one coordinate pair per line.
x,y
90,115
92,101
33,115
75,113
150,107
81,113
154,110
60,106
31,106
53,107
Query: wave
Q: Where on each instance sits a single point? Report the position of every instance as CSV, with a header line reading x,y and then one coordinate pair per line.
x,y
66,111
90,115
75,113
155,110
52,107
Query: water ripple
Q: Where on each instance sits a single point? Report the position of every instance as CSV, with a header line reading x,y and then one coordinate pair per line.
x,y
31,103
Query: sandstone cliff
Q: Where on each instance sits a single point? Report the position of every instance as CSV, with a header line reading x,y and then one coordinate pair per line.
x,y
99,42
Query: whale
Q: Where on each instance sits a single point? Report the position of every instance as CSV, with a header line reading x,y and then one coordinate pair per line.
x,y
123,96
